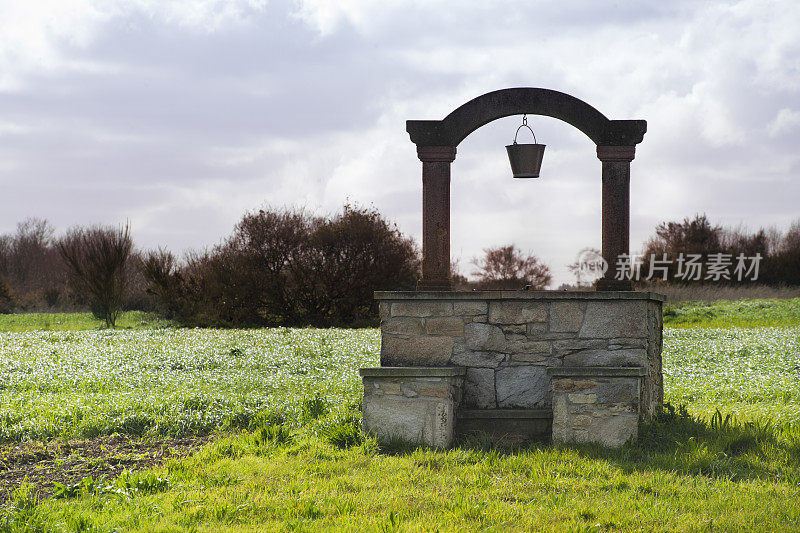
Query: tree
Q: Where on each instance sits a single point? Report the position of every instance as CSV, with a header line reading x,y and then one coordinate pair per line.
x,y
348,257
31,265
507,268
692,236
97,260
6,299
288,267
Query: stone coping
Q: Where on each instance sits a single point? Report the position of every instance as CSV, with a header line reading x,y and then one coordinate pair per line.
x,y
505,413
412,371
597,371
519,295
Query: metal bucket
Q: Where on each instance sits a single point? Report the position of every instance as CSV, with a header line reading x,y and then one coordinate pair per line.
x,y
525,159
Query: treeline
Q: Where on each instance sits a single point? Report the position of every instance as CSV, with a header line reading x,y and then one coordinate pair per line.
x,y
279,267
779,252
35,273
288,267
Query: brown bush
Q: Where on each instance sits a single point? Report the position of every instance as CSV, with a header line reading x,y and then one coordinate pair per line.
x,y
506,267
287,267
97,259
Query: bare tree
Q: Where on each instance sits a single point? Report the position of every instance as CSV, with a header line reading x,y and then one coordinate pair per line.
x,y
507,267
98,265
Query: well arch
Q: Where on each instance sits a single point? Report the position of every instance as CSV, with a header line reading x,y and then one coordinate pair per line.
x,y
436,142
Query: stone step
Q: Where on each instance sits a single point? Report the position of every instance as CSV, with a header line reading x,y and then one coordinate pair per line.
x,y
506,425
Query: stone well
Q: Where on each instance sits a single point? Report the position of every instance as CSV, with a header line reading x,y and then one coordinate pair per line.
x,y
509,344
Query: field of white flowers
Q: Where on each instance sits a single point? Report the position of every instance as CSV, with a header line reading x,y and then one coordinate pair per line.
x,y
172,381
752,373
191,381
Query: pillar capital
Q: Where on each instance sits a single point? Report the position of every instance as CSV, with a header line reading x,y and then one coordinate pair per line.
x,y
436,154
616,153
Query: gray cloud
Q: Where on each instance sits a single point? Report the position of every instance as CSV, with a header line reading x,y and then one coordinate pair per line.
x,y
180,116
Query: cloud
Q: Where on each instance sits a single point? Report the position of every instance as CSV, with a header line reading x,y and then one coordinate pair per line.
x,y
181,115
786,121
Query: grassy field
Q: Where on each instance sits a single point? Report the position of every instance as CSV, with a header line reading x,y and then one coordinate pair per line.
x,y
286,453
76,322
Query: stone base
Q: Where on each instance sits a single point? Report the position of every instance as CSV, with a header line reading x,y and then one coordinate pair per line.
x,y
412,405
507,340
596,404
508,426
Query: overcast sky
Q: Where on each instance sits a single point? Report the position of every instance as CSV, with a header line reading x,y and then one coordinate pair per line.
x,y
179,116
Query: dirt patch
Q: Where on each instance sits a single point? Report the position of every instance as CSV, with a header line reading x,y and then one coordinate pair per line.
x,y
43,464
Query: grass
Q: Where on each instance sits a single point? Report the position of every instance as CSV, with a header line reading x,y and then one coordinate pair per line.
x,y
172,382
688,475
77,321
735,313
301,463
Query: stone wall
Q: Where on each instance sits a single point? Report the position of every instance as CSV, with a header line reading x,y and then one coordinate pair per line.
x,y
506,340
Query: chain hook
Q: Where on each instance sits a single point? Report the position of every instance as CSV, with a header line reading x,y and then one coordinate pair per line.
x,y
525,125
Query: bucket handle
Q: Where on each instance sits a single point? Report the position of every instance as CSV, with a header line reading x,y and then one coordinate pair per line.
x,y
525,125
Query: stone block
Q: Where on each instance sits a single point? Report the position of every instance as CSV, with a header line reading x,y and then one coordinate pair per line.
x,y
388,387
535,329
599,405
422,308
517,312
411,420
582,397
527,346
522,386
480,337
621,344
403,326
536,358
634,357
452,326
440,390
565,347
615,430
620,392
415,351
611,319
471,359
383,310
424,411
572,385
479,388
566,317
515,329
470,308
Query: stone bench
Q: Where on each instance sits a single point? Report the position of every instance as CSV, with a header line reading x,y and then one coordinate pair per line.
x,y
412,404
596,404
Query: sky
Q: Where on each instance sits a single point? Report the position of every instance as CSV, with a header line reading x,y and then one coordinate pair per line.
x,y
180,116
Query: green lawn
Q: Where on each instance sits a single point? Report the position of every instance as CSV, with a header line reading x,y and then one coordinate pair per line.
x,y
289,454
741,313
76,321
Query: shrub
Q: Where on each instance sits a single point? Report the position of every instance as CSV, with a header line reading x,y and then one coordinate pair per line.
x,y
98,263
506,267
287,267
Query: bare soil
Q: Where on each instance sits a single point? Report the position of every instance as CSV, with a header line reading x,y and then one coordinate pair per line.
x,y
68,462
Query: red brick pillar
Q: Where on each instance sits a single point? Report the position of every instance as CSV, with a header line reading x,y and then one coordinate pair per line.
x,y
435,216
616,212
